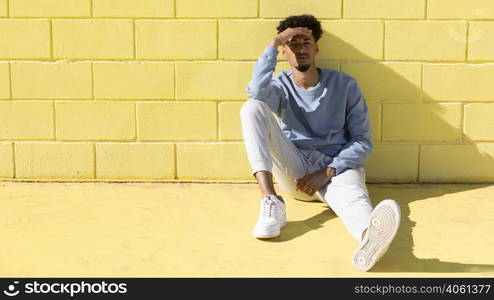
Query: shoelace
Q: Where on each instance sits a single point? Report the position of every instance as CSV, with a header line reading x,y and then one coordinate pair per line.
x,y
268,207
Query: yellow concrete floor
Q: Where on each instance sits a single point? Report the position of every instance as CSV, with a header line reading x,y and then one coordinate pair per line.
x,y
97,229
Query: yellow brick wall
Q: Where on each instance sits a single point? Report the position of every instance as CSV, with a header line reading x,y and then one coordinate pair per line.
x,y
151,90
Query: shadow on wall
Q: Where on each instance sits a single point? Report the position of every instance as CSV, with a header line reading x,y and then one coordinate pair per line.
x,y
417,138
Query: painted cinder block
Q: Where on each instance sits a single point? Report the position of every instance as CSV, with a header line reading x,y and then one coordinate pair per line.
x,y
422,122
230,128
138,161
375,120
3,9
93,39
176,39
28,120
425,40
129,9
39,160
84,121
50,8
216,8
384,9
457,163
131,80
458,82
4,80
351,40
19,36
212,161
460,9
213,80
481,41
177,121
387,81
232,47
6,160
327,9
393,163
44,80
479,122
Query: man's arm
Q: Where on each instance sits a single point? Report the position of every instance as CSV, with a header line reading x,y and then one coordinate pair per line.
x,y
261,87
354,153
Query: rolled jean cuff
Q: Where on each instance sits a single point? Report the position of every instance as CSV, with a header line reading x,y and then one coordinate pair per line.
x,y
261,165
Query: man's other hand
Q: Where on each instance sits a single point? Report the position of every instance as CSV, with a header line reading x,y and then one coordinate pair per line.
x,y
311,183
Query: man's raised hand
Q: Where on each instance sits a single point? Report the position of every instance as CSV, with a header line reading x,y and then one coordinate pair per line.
x,y
286,35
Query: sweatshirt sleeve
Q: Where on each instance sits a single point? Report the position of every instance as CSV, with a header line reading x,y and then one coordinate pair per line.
x,y
262,87
354,153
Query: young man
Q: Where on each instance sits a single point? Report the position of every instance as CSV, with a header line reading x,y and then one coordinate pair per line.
x,y
318,148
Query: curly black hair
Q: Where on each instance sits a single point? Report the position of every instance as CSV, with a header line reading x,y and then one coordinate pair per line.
x,y
308,21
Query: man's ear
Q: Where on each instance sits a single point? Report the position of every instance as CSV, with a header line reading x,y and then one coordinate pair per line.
x,y
317,48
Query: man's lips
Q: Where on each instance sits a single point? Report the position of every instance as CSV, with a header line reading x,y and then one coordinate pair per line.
x,y
302,57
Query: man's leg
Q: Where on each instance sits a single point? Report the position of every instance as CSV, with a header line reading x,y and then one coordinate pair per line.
x,y
269,151
265,181
348,197
374,229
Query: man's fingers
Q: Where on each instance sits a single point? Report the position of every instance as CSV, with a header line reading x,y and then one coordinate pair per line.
x,y
297,30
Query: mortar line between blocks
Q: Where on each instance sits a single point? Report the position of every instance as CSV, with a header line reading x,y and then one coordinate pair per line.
x,y
91,8
175,9
425,10
258,8
341,9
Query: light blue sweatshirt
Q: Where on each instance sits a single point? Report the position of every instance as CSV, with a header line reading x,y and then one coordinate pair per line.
x,y
331,118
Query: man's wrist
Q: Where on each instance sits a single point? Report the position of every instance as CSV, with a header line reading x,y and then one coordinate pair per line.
x,y
275,42
330,172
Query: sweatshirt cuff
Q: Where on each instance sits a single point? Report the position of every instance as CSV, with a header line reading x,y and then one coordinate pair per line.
x,y
340,168
271,51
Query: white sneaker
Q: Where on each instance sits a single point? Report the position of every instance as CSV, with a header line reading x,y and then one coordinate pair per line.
x,y
272,217
383,225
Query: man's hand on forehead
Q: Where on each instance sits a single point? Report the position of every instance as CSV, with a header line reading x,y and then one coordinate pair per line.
x,y
288,34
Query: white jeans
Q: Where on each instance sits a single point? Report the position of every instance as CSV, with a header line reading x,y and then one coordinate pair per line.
x,y
268,149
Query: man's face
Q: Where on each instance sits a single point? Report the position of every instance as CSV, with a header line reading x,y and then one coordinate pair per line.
x,y
301,51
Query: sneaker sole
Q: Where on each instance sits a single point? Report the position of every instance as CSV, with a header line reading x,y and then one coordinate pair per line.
x,y
382,228
269,234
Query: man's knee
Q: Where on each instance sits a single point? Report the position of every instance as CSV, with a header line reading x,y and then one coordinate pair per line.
x,y
252,106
